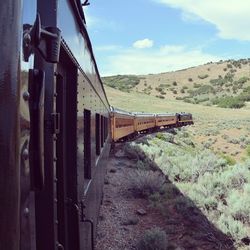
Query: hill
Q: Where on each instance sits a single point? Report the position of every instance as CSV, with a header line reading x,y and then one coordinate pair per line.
x,y
224,84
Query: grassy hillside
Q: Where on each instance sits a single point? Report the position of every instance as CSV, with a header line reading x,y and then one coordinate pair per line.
x,y
223,84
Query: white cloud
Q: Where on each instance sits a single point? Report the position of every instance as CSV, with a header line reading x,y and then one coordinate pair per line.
x,y
231,17
164,59
142,44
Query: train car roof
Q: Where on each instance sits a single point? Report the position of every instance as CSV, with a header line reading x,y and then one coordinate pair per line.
x,y
120,111
166,114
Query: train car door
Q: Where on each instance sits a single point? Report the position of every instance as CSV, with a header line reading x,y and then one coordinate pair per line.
x,y
66,172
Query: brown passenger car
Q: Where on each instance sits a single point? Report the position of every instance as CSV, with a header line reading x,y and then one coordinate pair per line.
x,y
165,120
144,122
122,124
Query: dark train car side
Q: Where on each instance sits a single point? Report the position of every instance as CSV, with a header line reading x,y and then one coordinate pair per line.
x,y
53,158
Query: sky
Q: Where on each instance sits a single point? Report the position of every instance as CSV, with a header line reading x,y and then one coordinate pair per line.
x,y
155,36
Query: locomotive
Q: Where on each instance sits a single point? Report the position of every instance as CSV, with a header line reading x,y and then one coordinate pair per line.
x,y
55,127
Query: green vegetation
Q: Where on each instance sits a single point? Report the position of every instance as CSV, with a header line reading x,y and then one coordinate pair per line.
x,y
248,150
216,184
203,76
233,101
164,85
160,96
122,82
229,102
153,239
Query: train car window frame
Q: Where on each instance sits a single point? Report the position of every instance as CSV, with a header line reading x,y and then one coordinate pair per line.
x,y
102,129
97,133
87,143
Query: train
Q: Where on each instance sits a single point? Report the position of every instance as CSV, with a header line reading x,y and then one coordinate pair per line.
x,y
56,127
128,125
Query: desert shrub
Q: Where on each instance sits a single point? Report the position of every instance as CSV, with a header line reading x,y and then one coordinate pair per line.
x,y
162,85
197,85
239,204
248,150
203,76
160,96
168,137
229,77
182,91
219,81
229,102
190,79
234,141
230,160
183,205
204,89
133,151
145,183
179,98
243,80
159,89
174,83
153,239
232,227
189,167
174,91
235,176
130,221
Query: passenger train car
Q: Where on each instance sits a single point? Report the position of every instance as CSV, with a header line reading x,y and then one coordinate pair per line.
x,y
56,127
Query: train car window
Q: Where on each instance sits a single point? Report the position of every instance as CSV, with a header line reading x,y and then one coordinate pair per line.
x,y
102,135
97,133
87,143
105,128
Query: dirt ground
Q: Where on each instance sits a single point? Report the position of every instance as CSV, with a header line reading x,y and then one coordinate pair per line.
x,y
124,219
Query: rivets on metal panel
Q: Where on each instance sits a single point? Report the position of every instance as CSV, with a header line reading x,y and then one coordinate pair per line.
x,y
55,159
36,72
25,154
59,246
26,96
55,94
55,180
26,212
55,73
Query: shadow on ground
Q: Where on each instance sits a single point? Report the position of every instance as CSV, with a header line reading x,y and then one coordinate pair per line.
x,y
184,223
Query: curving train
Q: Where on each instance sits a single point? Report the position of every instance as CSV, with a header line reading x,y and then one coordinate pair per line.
x,y
127,125
55,127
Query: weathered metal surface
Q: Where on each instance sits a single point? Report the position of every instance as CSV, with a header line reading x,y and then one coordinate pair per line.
x,y
10,40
